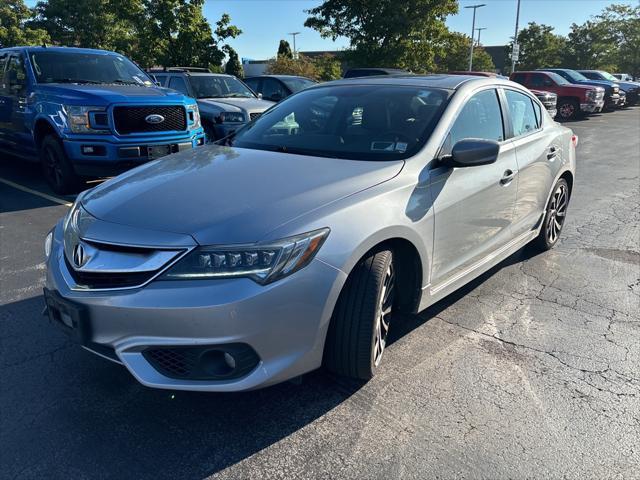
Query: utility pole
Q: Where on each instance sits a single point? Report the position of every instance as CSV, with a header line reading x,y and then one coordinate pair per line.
x,y
473,31
515,51
479,32
293,34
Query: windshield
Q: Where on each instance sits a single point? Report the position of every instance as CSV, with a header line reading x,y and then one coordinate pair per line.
x,y
363,122
73,67
575,76
557,78
296,84
608,76
217,86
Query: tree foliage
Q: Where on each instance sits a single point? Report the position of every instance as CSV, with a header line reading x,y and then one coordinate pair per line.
x,y
386,33
328,68
14,29
302,66
457,46
540,47
284,49
151,32
233,66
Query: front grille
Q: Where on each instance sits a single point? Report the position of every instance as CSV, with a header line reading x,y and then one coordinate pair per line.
x,y
254,115
92,280
132,119
204,362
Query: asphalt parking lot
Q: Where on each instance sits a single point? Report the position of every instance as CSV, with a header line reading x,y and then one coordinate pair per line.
x,y
532,371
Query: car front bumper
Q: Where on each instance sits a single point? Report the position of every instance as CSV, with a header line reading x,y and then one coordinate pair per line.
x,y
592,107
284,323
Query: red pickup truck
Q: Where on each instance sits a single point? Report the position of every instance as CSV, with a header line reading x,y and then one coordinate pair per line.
x,y
572,99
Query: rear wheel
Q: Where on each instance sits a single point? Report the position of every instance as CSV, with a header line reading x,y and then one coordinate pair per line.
x,y
568,109
555,216
56,167
358,331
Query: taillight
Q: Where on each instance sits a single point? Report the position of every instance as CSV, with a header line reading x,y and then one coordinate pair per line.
x,y
574,140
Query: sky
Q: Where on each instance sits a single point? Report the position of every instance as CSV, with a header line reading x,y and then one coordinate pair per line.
x,y
266,22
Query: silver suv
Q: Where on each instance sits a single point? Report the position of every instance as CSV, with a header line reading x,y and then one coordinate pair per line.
x,y
225,102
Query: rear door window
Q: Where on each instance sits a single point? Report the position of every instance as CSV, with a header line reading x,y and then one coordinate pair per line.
x,y
522,114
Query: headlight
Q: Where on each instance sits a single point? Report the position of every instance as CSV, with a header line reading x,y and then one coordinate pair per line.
x,y
263,263
48,241
193,112
86,119
232,117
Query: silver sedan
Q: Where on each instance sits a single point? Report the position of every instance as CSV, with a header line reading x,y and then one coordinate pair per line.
x,y
295,244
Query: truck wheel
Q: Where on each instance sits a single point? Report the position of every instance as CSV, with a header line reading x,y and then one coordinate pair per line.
x,y
568,109
358,331
56,167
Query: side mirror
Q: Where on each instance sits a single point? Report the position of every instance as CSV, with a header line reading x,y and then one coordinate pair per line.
x,y
259,95
472,152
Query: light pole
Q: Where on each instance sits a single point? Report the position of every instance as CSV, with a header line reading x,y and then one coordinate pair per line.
x,y
473,31
479,32
515,51
293,34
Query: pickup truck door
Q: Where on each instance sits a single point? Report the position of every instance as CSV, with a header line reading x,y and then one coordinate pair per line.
x,y
17,135
5,102
473,206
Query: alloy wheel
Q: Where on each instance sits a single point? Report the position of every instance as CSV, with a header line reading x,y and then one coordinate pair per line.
x,y
557,213
383,315
567,110
53,169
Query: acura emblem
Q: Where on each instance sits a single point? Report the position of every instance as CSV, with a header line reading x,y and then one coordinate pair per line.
x,y
80,257
154,118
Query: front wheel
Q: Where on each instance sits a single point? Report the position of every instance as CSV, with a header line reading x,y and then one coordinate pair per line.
x,y
56,167
357,335
568,109
554,217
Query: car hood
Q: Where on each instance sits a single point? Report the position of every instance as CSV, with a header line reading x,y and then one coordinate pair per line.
x,y
225,195
606,84
103,95
235,104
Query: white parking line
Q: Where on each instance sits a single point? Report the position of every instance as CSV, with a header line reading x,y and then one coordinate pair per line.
x,y
51,198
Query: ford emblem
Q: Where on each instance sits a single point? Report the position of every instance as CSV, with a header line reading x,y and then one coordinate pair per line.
x,y
154,119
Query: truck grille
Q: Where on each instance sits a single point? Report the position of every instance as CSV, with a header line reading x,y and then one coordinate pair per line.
x,y
133,119
254,115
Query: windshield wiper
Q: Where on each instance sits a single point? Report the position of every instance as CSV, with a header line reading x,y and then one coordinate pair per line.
x,y
124,82
235,95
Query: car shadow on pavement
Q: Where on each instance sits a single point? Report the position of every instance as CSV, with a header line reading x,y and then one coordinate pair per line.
x,y
69,414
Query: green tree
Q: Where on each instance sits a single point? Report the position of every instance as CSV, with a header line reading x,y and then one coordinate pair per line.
x,y
14,29
386,32
622,26
103,24
284,49
589,46
233,66
540,47
457,46
328,67
302,66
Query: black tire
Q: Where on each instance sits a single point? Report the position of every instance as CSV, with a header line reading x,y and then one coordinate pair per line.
x,y
358,331
554,217
209,132
56,167
568,109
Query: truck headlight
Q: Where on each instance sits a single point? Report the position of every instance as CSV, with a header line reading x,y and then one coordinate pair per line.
x,y
193,113
263,263
87,119
231,117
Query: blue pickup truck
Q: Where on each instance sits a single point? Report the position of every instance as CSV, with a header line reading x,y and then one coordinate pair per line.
x,y
88,113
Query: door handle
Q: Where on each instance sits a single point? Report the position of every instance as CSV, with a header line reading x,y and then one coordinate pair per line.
x,y
507,177
553,151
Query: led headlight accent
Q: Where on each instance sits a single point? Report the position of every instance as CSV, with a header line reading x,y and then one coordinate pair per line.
x,y
232,117
263,263
48,241
194,116
78,119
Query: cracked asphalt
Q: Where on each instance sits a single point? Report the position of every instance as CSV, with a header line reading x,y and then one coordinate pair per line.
x,y
531,371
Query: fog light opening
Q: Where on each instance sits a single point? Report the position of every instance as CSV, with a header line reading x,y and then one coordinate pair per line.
x,y
216,363
229,360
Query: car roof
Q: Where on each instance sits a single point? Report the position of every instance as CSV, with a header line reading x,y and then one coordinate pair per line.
x,y
65,50
449,82
278,76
